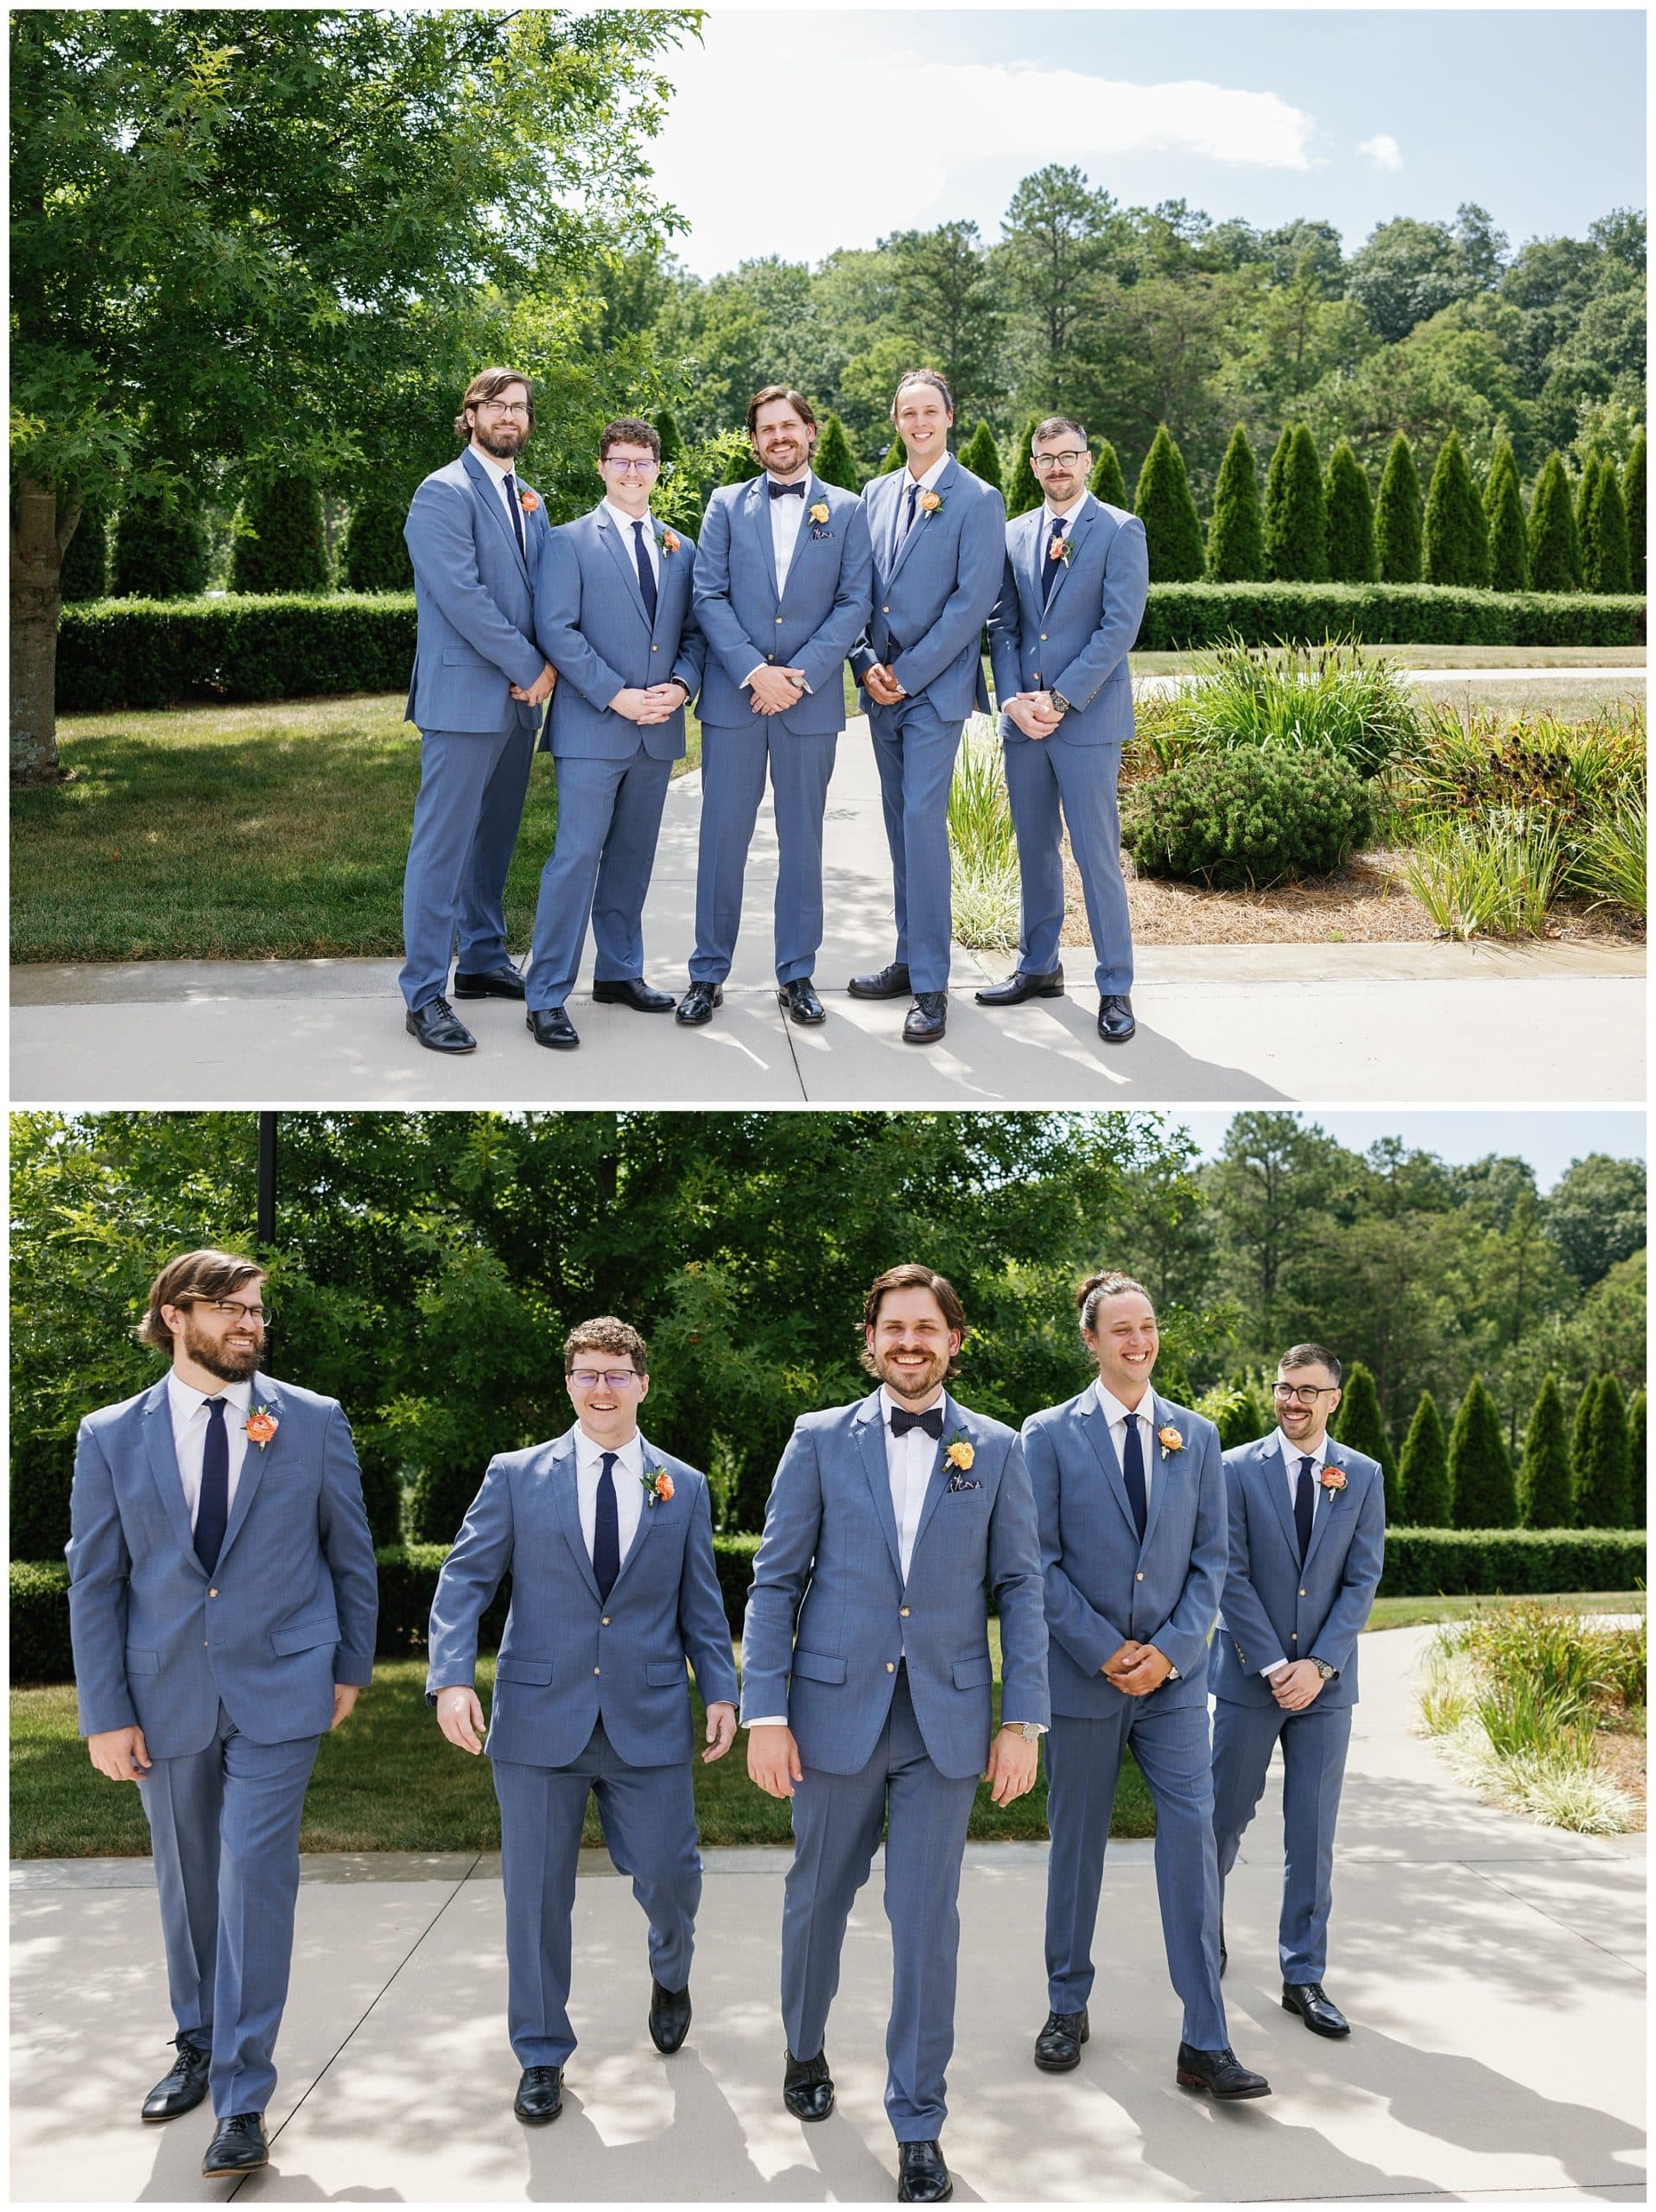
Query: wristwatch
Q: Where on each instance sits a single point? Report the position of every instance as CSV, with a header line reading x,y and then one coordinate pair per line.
x,y
1060,703
1030,1731
1324,1668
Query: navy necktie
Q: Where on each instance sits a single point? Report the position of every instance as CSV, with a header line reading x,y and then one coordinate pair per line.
x,y
1304,1500
213,1509
787,491
906,512
607,1531
1049,581
1132,1474
932,1420
646,574
516,516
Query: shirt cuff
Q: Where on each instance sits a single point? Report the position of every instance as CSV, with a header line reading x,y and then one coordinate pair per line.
x,y
768,1720
1276,1666
751,673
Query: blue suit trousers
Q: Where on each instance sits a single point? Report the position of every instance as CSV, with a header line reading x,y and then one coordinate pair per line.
x,y
1083,1760
648,1816
734,764
837,1819
609,818
914,751
1314,1745
466,820
1041,775
223,1830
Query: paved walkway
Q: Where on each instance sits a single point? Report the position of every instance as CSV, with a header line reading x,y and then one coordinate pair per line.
x,y
1342,1024
1494,1973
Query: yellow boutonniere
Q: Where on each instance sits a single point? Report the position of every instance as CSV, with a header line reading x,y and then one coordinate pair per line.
x,y
960,1454
819,511
1169,1439
932,503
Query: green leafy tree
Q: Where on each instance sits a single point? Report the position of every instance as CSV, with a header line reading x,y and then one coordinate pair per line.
x,y
1350,519
281,545
160,551
835,461
1163,504
1503,514
1606,560
1604,1495
1423,1471
1544,1493
1108,482
1457,546
1554,546
1397,517
375,555
1633,498
1479,1472
945,299
1026,489
86,561
1595,1214
1235,1410
1055,243
1236,527
981,455
1359,1422
1297,527
742,467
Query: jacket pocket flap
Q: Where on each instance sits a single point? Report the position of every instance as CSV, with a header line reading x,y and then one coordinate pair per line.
x,y
818,1667
463,657
142,1663
538,1671
303,1636
973,1674
662,1674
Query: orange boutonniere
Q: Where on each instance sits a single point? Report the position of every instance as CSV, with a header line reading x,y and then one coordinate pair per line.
x,y
819,511
261,1426
1169,1439
668,541
529,501
1059,551
932,503
960,1453
657,1485
1331,1478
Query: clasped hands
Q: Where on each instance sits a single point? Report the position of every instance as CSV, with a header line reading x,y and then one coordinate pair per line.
x,y
654,702
881,685
1033,713
775,690
459,1715
1295,1685
773,1762
1137,1669
541,688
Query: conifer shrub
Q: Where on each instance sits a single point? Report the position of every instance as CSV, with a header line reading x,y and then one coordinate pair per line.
x,y
1581,1428
895,455
1606,566
1544,1500
1637,1446
1163,503
1350,519
1276,477
1503,515
1236,527
1422,1501
282,547
1248,819
1456,542
1108,483
1586,492
1554,546
672,439
1024,487
158,554
85,574
1633,498
1481,1493
375,555
1604,1477
1297,529
834,460
1397,517
982,455
742,467
1359,1422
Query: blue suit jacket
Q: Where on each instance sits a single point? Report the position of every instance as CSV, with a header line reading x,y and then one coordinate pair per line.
x,y
933,595
566,1661
1277,1609
289,1608
590,623
1078,643
823,611
475,596
1103,1586
830,1536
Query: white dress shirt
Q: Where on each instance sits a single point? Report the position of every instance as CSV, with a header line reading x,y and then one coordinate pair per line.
x,y
190,1418
1118,1417
498,472
787,519
1049,515
627,1475
927,483
1292,1454
624,523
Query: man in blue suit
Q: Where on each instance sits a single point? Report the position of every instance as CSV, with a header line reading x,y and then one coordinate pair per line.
x,y
222,1602
609,1545
1071,602
938,536
475,535
612,615
889,1519
1307,1543
1131,1498
781,585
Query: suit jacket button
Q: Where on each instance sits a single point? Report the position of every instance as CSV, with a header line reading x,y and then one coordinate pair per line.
x,y
1139,1576
655,649
885,610
1302,1593
594,1670
1043,636
213,1594
779,621
904,1610
605,1622
1296,1636
890,1667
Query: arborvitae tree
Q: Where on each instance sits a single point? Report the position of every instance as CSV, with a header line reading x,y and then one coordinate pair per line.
x,y
1581,1429
1633,498
1555,548
833,461
1024,489
1351,519
1297,535
1457,544
672,441
375,555
1397,517
1604,1481
1422,1497
1586,491
1479,1472
1109,483
284,547
1276,477
85,560
982,455
742,467
1359,1422
1163,504
1503,516
1543,1492
1637,1450
158,555
1604,553
896,454
1236,527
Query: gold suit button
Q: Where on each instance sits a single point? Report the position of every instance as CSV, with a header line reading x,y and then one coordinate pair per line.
x,y
779,621
904,1610
655,649
213,1594
605,1622
1043,636
594,1670
1296,1636
1302,1593
1138,1577
890,1667
885,610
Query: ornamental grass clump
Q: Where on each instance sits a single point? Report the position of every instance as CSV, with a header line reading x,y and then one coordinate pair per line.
x,y
983,848
1332,698
1246,820
1488,878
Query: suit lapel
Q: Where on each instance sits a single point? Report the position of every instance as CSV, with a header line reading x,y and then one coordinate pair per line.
x,y
757,512
922,521
620,552
1325,1507
1158,1468
1094,1427
814,493
646,1522
483,486
1075,533
1034,528
937,1482
870,1441
566,1506
255,1461
1273,1473
163,1466
672,590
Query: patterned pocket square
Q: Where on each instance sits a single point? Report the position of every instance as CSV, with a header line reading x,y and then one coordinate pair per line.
x,y
818,532
957,1482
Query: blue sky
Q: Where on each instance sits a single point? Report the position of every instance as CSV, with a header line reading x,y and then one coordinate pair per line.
x,y
1548,1141
1351,115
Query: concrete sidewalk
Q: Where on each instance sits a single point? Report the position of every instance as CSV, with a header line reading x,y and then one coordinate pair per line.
x,y
1493,1972
1400,1023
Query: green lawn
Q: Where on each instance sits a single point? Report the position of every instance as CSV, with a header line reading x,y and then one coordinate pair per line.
x,y
1414,1612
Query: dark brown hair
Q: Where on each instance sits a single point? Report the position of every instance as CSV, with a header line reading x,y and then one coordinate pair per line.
x,y
489,384
1105,1286
628,431
1312,1356
620,1338
796,400
1054,427
922,376
191,1276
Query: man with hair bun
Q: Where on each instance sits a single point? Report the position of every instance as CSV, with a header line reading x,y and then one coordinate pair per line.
x,y
222,1603
1130,1495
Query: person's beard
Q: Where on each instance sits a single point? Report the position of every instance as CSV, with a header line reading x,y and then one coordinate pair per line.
x,y
229,1363
493,446
912,1382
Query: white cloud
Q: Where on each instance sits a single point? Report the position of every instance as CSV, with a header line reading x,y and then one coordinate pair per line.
x,y
1383,151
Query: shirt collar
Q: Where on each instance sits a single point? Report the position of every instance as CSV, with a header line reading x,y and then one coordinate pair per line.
x,y
1113,1410
770,477
928,480
1051,514
1293,1453
498,469
589,1455
626,521
188,1400
888,1403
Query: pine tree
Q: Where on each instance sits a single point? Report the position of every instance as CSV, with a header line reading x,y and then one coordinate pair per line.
x,y
1479,1473
282,546
1604,554
1024,489
1422,1501
1163,504
1581,1430
1359,1422
1503,515
158,555
1236,527
1457,544
1555,548
1109,483
835,463
981,455
375,555
1397,516
1605,1483
1351,519
1633,498
1543,1497
86,561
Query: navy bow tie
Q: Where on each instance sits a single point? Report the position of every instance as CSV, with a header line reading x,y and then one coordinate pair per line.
x,y
931,1421
787,491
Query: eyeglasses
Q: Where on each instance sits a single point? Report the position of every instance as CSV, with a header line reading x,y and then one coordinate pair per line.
x,y
1303,1393
1042,462
589,1378
233,1308
630,467
505,407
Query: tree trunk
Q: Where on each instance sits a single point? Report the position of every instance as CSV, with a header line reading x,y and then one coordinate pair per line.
x,y
38,541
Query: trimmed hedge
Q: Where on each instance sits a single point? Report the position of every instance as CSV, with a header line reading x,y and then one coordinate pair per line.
x,y
1182,616
1510,1562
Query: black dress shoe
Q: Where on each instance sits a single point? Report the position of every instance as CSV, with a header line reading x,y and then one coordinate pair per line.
x,y
697,1004
1306,1999
927,1018
670,2017
540,2094
1116,1021
1057,2048
889,982
800,1002
551,1024
922,2177
633,991
1220,2072
184,2087
488,983
440,1029
1021,986
238,2147
808,2086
